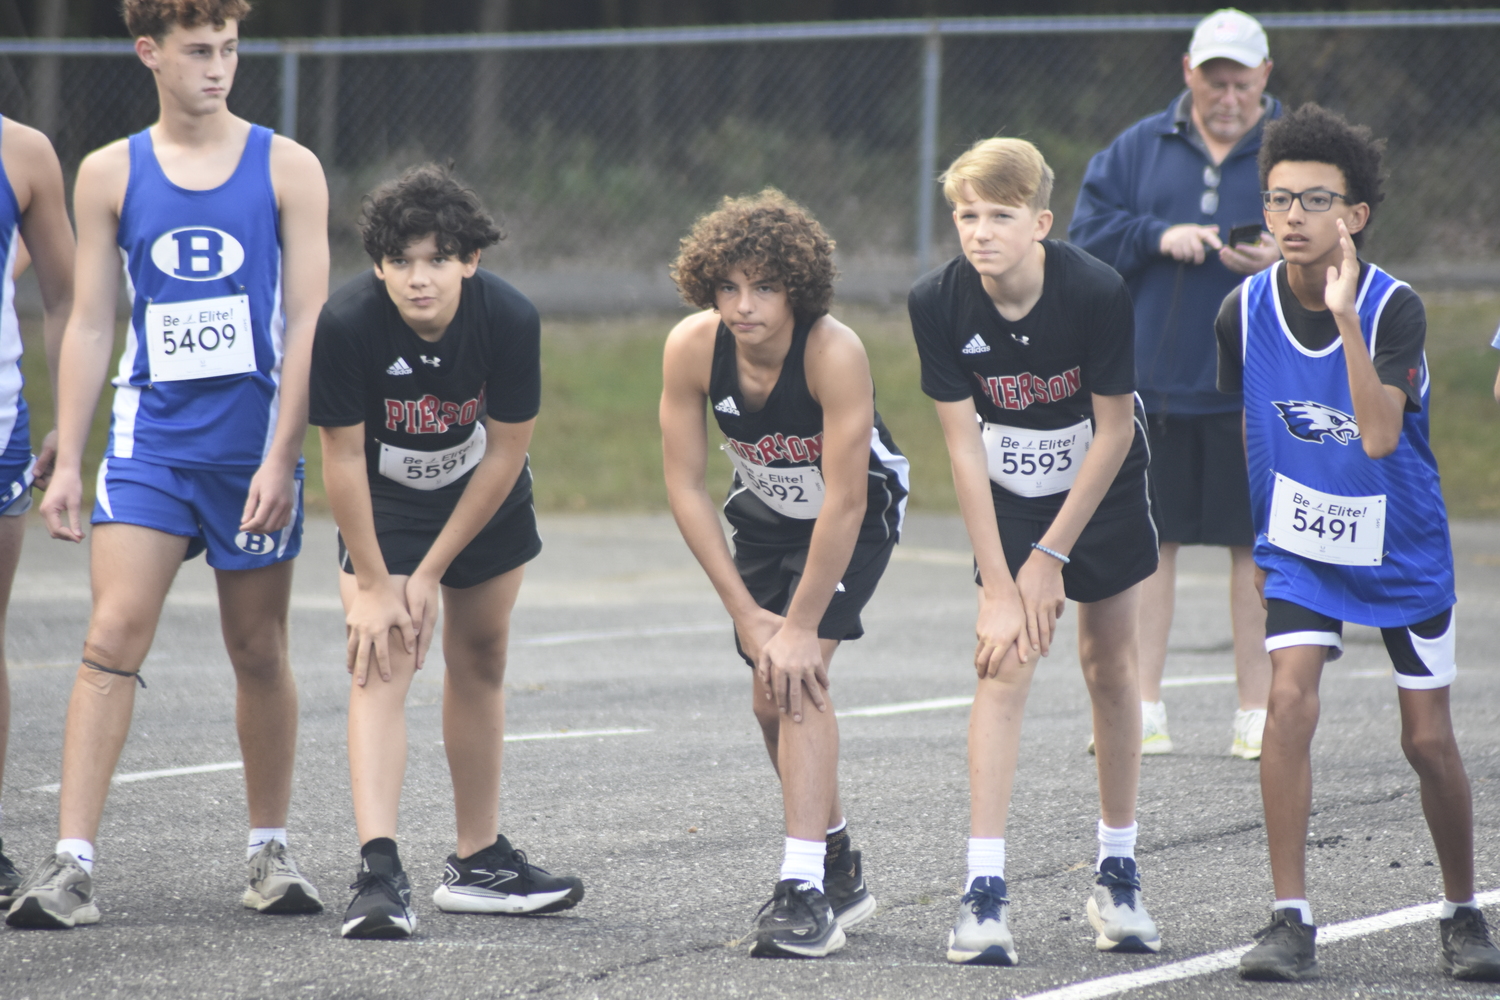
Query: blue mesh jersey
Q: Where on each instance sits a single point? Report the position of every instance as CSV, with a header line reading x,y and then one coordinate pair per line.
x,y
199,382
1300,430
15,427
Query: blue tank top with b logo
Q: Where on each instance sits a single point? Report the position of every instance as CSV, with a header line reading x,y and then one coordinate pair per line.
x,y
199,382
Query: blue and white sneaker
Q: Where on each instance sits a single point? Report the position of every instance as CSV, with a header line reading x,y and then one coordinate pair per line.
x,y
1117,913
982,934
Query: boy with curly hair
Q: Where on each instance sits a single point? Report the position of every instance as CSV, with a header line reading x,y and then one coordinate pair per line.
x,y
1350,524
815,507
426,381
224,230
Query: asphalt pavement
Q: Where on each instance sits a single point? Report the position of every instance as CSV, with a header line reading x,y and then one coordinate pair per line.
x,y
635,763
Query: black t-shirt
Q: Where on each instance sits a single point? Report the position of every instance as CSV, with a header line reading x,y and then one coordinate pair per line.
x,y
369,367
1039,372
1400,336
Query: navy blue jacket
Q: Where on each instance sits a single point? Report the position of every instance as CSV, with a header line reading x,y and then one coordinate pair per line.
x,y
1151,178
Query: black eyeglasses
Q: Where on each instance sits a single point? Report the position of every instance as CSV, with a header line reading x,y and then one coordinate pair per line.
x,y
1313,199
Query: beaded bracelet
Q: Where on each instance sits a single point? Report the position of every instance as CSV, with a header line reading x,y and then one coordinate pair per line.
x,y
1052,552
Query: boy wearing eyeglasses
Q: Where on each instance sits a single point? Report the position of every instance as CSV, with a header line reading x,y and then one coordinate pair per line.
x,y
1349,516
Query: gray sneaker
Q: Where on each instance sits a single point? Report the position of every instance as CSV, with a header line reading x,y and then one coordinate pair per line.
x,y
276,886
10,879
982,934
1117,913
57,896
1286,950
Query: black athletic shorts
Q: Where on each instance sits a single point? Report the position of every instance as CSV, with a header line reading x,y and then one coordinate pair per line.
x,y
1110,556
509,540
772,573
1202,491
1423,654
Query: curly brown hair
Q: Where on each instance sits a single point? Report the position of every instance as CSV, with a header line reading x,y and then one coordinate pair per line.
x,y
1314,134
154,18
426,200
771,238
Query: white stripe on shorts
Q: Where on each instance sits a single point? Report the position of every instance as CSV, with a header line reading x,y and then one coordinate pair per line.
x,y
1332,640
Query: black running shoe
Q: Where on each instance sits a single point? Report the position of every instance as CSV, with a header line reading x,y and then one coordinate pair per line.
x,y
1286,951
499,879
844,885
381,907
1468,952
10,879
796,922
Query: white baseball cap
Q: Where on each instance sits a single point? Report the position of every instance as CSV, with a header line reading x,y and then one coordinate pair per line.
x,y
1229,34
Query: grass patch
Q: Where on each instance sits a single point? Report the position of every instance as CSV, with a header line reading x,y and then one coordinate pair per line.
x,y
597,446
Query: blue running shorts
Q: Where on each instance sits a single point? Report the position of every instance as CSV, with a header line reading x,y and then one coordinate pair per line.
x,y
203,505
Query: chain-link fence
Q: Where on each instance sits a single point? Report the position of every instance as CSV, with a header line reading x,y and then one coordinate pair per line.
x,y
598,148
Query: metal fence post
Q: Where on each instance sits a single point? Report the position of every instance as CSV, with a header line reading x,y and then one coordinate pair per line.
x,y
932,68
289,93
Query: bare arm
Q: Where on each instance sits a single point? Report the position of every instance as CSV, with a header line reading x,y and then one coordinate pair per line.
x,y
684,439
379,604
36,178
1001,626
84,357
1379,409
488,486
302,197
1040,578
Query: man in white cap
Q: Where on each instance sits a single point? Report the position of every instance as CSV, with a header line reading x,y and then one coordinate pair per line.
x,y
1171,205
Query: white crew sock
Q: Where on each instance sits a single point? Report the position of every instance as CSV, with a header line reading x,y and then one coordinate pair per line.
x,y
835,829
986,859
1300,905
1450,908
1116,843
803,861
82,851
260,836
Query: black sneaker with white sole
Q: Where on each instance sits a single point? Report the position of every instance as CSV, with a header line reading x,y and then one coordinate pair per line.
x,y
796,922
10,878
1468,953
381,907
1285,950
499,879
844,885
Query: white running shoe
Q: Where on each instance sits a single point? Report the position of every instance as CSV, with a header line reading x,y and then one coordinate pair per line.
x,y
276,886
1154,737
1117,913
1249,727
57,896
982,934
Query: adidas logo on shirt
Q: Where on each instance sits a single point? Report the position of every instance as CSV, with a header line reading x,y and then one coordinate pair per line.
x,y
399,367
976,345
726,405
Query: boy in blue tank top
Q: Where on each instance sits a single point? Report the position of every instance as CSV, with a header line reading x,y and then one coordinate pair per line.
x,y
33,208
223,227
1349,516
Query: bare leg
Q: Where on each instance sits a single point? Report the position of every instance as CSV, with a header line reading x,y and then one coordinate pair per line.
x,y
995,744
1108,644
377,733
476,628
12,532
131,569
1252,664
1427,739
806,757
1158,602
253,606
1286,763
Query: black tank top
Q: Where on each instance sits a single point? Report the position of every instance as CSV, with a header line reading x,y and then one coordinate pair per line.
x,y
779,508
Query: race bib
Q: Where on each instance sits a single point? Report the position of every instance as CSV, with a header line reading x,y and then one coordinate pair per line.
x,y
1032,463
794,492
432,470
1325,527
199,339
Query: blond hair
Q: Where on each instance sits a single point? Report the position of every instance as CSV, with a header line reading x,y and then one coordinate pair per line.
x,y
1002,171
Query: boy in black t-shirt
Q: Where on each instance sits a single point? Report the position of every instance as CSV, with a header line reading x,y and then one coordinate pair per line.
x,y
426,381
1027,347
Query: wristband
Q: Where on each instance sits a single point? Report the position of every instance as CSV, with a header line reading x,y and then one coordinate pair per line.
x,y
1051,552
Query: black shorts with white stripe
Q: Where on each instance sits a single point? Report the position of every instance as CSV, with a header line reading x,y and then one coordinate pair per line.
x,y
1423,654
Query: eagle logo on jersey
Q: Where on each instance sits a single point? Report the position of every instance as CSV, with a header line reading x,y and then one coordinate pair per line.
x,y
1315,422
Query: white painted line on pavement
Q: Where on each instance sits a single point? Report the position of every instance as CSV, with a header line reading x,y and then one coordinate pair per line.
x,y
170,772
908,706
1202,965
1194,679
571,734
602,635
